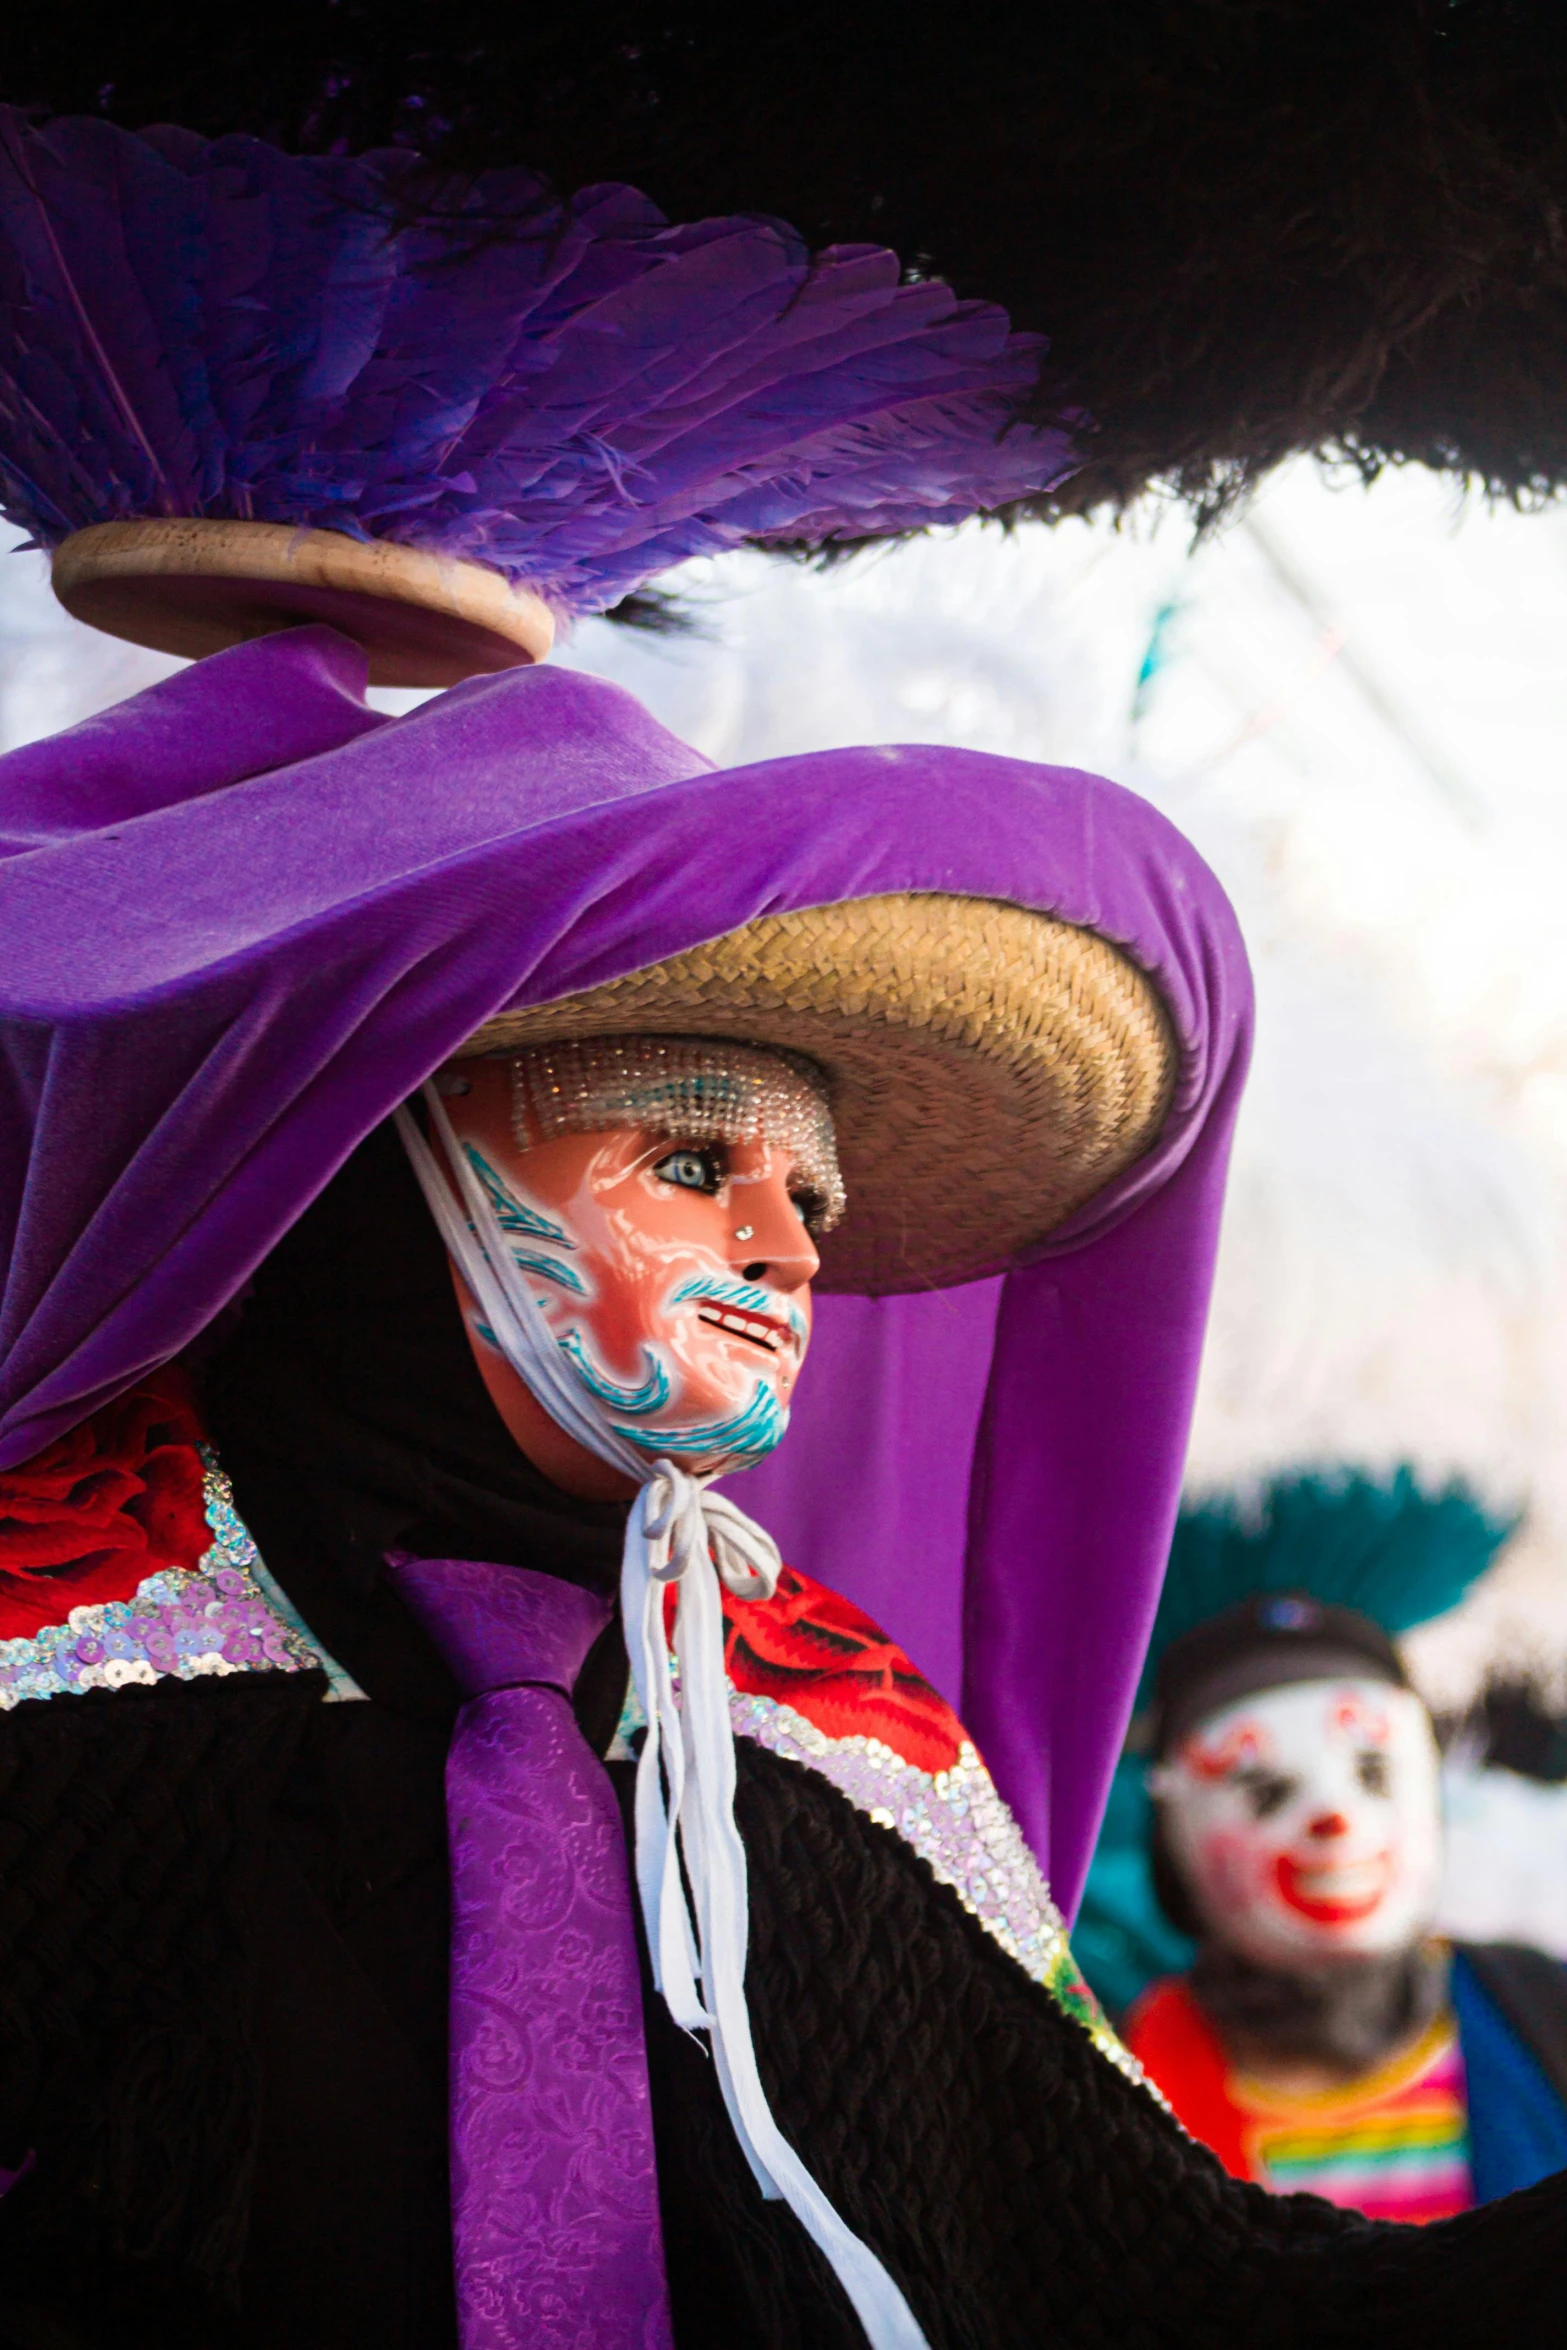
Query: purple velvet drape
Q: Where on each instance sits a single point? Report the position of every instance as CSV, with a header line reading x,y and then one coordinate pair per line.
x,y
241,917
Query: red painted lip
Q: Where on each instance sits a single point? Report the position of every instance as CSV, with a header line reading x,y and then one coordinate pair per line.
x,y
713,1316
1345,1907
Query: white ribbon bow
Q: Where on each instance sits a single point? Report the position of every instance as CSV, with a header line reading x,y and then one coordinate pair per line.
x,y
678,1532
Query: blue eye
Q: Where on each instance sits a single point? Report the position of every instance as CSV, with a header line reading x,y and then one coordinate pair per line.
x,y
692,1170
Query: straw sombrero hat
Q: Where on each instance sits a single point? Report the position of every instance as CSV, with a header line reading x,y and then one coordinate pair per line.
x,y
989,1068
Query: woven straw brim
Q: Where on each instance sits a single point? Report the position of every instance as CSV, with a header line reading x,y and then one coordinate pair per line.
x,y
989,1068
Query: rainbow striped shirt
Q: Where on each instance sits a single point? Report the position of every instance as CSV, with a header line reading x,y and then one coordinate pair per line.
x,y
1394,2144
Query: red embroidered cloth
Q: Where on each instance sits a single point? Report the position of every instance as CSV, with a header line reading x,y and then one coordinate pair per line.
x,y
818,1653
93,1515
90,1517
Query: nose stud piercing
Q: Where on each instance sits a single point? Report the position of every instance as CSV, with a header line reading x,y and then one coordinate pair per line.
x,y
745,1232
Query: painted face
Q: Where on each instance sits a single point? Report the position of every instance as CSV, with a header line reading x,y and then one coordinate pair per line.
x,y
1306,1822
674,1275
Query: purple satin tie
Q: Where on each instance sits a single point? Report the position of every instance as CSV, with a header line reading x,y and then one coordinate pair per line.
x,y
554,2192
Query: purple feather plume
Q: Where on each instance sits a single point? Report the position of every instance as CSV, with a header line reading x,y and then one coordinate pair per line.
x,y
574,393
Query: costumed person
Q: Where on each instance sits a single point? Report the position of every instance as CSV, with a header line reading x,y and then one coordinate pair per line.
x,y
424,1140
1318,2034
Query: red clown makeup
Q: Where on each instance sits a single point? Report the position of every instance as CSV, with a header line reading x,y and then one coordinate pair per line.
x,y
1305,1821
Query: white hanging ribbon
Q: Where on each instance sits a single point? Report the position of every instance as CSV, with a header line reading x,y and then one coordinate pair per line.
x,y
679,1533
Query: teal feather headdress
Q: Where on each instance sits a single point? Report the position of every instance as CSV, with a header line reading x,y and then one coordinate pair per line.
x,y
1394,1551
1386,1548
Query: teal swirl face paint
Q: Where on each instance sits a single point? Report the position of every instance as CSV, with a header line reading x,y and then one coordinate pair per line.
x,y
743,1299
514,1216
638,1403
674,1275
745,1437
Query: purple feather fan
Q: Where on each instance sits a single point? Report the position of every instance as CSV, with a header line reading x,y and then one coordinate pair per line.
x,y
574,393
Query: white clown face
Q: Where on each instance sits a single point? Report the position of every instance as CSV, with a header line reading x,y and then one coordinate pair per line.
x,y
1306,1821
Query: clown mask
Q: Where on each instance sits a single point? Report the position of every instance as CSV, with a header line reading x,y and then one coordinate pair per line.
x,y
672,1263
1305,1822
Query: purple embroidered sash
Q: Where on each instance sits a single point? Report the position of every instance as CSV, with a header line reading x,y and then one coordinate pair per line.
x,y
554,2193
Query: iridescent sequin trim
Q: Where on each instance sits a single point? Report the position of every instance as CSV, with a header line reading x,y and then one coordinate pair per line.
x,y
692,1088
967,1838
227,1617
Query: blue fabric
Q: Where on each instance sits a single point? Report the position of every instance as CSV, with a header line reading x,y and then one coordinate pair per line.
x,y
1517,2122
1122,1939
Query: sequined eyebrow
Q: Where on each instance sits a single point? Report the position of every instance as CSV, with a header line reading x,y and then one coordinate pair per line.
x,y
692,1089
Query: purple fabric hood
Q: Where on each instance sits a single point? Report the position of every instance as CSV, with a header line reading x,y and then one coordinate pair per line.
x,y
242,916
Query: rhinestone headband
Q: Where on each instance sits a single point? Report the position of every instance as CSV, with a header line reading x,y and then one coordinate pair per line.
x,y
692,1088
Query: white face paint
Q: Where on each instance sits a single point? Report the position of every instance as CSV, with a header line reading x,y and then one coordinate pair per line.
x,y
1306,1821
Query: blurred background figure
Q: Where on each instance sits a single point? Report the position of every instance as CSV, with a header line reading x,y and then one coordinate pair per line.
x,y
1274,1856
